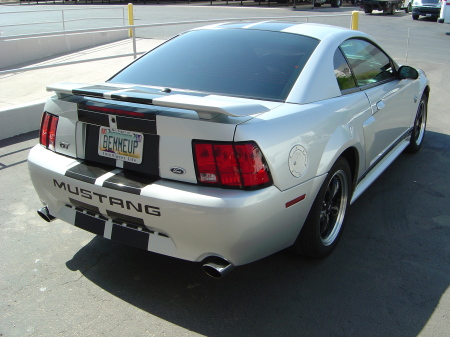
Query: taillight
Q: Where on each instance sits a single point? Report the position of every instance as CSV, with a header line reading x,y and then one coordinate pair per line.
x,y
231,165
49,125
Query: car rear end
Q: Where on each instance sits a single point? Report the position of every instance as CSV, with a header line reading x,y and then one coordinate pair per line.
x,y
150,158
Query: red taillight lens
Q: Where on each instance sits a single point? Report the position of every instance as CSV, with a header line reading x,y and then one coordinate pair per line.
x,y
231,165
206,165
49,125
253,169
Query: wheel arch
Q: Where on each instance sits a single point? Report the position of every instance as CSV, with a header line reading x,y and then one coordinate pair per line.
x,y
346,143
352,157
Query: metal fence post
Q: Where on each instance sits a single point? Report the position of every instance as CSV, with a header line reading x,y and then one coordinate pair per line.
x,y
130,19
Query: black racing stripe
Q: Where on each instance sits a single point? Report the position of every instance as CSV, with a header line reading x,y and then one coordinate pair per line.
x,y
119,110
94,90
119,217
128,182
137,125
131,237
150,157
135,97
90,223
84,205
91,117
87,172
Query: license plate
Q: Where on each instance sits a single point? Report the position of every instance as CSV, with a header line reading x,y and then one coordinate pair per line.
x,y
121,144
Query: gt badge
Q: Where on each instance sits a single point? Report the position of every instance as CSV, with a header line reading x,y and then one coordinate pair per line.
x,y
64,145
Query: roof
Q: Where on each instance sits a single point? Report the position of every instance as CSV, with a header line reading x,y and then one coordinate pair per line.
x,y
314,30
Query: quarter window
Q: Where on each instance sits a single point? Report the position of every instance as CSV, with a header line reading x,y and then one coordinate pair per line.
x,y
342,71
369,64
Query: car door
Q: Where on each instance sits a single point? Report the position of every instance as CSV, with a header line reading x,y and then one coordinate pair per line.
x,y
391,99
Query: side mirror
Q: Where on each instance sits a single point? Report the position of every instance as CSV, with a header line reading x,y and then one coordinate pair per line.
x,y
406,72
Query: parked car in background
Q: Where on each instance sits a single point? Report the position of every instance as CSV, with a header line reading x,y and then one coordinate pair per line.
x,y
229,142
386,6
427,8
333,3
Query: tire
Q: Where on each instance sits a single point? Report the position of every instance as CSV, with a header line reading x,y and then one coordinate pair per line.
x,y
317,4
335,3
408,8
367,9
420,123
323,226
391,10
415,16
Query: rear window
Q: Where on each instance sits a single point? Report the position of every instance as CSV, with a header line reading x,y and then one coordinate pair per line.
x,y
234,62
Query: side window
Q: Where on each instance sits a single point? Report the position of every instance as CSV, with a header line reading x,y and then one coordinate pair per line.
x,y
342,72
368,62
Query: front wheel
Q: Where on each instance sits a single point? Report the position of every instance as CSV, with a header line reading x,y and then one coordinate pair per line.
x,y
415,16
367,9
420,123
408,8
323,226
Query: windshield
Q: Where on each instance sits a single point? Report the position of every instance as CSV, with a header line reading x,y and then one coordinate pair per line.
x,y
235,62
431,2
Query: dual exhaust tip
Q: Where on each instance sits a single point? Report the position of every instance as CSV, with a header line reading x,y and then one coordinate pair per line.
x,y
214,266
45,214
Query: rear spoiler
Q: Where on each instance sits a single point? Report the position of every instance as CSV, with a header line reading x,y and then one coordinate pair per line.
x,y
207,107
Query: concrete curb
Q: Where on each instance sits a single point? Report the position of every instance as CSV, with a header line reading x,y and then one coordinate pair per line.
x,y
20,119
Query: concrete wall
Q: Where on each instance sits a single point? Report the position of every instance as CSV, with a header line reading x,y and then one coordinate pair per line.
x,y
20,119
18,51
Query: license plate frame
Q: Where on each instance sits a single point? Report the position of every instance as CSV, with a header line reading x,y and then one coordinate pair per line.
x,y
122,145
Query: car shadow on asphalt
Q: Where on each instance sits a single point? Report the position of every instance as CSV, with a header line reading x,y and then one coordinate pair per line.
x,y
385,278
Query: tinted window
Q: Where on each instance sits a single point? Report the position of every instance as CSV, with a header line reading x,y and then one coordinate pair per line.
x,y
342,71
369,63
237,62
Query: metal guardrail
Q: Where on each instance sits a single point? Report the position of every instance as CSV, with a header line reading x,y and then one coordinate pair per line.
x,y
63,17
133,29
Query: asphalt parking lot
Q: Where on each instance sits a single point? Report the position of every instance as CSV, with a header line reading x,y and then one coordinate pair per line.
x,y
389,276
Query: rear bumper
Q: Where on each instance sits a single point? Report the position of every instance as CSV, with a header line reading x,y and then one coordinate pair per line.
x,y
176,219
426,11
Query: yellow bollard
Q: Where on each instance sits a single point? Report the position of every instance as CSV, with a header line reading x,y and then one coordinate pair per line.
x,y
130,19
355,20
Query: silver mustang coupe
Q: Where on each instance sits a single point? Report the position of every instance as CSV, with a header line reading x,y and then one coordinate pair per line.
x,y
229,142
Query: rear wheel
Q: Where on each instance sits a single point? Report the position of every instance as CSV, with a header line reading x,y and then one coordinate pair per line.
x,y
420,123
389,10
323,226
336,3
367,9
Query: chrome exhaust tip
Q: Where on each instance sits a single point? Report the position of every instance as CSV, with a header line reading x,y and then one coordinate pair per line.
x,y
45,214
216,267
